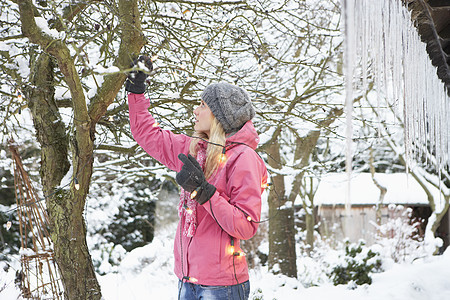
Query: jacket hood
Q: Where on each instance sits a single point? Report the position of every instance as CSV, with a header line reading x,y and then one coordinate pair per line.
x,y
246,135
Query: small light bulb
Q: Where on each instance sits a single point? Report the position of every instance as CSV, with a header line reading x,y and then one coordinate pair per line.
x,y
223,157
232,250
239,253
156,124
193,194
249,218
191,279
19,99
265,185
76,184
187,209
8,225
154,57
111,118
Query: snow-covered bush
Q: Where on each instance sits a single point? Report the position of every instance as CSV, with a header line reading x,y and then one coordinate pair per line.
x,y
314,265
399,237
107,257
120,218
356,265
337,262
132,226
257,295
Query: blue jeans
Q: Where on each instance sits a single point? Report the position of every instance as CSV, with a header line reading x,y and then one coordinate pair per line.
x,y
190,291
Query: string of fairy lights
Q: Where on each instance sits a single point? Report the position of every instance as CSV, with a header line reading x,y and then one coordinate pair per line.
x,y
76,184
230,248
235,253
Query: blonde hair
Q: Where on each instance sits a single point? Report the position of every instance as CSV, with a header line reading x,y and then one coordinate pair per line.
x,y
213,151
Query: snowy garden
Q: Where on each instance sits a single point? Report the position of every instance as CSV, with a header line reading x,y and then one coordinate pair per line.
x,y
353,129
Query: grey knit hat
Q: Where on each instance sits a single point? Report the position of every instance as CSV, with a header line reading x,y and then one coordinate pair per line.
x,y
230,105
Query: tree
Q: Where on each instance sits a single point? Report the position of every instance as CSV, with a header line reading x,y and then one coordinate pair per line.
x,y
74,59
426,171
65,206
291,144
430,179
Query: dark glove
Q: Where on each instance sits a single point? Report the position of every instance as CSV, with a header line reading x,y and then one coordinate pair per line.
x,y
191,178
136,79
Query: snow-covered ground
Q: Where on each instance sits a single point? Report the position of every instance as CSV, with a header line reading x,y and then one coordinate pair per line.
x,y
146,273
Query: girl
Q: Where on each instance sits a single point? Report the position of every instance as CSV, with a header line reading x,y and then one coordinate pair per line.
x,y
221,178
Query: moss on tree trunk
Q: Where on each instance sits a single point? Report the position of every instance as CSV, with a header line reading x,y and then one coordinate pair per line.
x,y
67,228
66,206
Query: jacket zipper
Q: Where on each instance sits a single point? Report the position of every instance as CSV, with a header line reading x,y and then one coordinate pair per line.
x,y
187,261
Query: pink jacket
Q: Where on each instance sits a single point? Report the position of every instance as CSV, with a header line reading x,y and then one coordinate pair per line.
x,y
207,256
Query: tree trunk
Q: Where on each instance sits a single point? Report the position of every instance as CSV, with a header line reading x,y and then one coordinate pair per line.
x,y
282,256
50,129
67,230
66,205
308,206
436,216
305,147
310,227
439,215
382,189
281,207
71,251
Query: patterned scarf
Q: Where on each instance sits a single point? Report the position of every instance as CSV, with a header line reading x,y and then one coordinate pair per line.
x,y
188,206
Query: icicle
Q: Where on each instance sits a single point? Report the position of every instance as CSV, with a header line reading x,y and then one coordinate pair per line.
x,y
381,35
349,70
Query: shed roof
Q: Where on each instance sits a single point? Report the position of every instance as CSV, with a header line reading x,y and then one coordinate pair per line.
x,y
401,189
432,19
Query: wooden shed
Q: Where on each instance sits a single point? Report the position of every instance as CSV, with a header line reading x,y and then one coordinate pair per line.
x,y
364,197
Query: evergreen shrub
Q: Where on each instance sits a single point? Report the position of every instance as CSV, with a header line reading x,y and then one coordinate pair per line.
x,y
357,265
